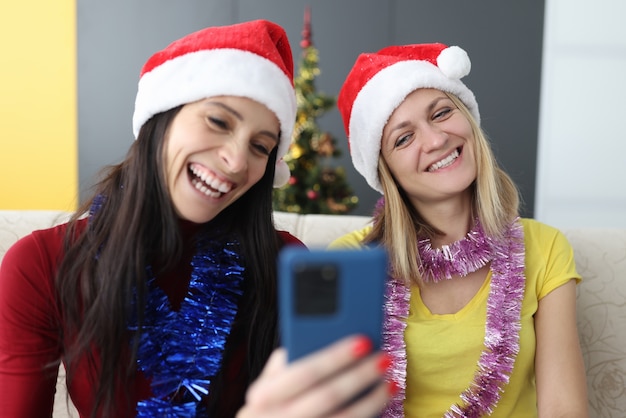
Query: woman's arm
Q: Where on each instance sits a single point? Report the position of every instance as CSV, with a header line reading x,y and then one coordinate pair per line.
x,y
560,371
29,346
321,384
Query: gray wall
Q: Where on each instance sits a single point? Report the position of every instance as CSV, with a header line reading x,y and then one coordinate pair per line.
x,y
503,39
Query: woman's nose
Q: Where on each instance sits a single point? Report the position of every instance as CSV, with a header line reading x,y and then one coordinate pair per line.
x,y
432,138
235,155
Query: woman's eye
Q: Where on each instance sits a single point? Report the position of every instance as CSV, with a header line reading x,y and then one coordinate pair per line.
x,y
263,149
402,140
442,113
218,122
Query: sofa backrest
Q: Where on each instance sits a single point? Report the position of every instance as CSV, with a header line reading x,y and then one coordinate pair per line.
x,y
317,231
601,315
601,299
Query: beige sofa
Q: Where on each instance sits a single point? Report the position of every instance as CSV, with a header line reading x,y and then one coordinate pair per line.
x,y
600,257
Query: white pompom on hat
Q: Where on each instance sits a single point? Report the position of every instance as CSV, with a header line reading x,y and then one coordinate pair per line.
x,y
380,81
251,59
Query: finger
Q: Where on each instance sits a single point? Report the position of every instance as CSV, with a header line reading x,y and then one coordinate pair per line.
x,y
336,391
275,364
260,388
302,375
370,405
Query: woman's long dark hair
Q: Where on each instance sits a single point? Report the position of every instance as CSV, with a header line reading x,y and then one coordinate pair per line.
x,y
104,266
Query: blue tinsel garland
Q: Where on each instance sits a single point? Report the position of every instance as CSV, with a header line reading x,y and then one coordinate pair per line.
x,y
180,351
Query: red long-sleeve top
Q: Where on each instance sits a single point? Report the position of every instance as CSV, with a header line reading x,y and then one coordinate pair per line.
x,y
30,325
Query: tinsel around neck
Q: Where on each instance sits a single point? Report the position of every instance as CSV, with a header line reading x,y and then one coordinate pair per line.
x,y
502,322
181,351
460,258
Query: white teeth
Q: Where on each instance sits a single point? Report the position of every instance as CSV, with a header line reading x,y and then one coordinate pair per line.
x,y
218,185
210,181
200,186
445,162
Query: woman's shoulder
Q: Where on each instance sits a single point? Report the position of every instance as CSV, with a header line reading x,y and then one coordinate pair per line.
x,y
40,245
288,239
34,243
539,230
28,270
352,239
543,238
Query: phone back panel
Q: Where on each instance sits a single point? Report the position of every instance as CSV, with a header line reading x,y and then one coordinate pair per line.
x,y
325,295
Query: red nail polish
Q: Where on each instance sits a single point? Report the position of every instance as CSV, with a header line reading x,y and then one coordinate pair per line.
x,y
384,362
361,347
393,387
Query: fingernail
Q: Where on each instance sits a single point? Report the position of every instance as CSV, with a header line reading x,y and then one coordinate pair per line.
x,y
384,362
392,387
361,347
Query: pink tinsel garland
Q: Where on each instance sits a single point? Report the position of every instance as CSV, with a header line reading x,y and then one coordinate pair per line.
x,y
502,322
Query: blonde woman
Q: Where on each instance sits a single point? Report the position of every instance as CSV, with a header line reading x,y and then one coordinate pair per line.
x,y
480,308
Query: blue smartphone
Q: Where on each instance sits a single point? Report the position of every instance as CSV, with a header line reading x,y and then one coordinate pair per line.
x,y
325,295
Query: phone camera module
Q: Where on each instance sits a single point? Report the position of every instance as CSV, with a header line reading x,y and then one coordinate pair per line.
x,y
316,289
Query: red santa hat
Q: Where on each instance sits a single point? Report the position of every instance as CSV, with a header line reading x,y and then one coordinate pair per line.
x,y
251,59
379,82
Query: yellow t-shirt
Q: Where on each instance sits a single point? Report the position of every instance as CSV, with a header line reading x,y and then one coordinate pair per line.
x,y
443,350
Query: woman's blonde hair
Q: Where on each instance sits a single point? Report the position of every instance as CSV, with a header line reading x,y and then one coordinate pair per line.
x,y
397,224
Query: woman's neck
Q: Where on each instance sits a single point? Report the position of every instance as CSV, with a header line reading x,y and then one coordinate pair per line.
x,y
188,229
453,219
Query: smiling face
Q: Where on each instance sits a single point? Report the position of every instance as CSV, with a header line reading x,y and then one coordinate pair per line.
x,y
428,145
216,149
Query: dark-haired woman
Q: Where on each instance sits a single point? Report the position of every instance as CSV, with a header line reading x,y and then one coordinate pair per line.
x,y
159,296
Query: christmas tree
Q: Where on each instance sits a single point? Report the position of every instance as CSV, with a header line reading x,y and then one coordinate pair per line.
x,y
315,185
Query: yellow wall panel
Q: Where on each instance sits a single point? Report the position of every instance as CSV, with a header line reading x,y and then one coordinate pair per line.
x,y
38,136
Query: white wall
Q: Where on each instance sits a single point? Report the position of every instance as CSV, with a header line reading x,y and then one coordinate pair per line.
x,y
581,177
